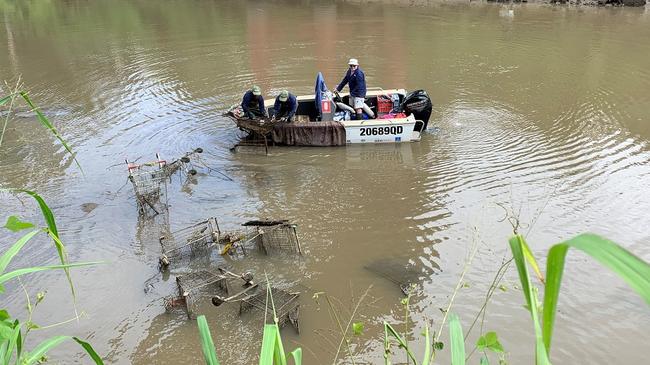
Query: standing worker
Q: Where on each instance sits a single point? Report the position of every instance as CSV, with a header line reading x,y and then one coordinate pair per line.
x,y
357,83
285,106
253,103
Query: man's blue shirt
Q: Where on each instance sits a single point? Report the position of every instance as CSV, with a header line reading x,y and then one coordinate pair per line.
x,y
357,81
291,105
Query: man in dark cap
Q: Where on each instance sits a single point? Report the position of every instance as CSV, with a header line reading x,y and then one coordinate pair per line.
x,y
285,106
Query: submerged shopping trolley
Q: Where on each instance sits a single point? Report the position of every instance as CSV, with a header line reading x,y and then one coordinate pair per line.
x,y
287,305
270,235
193,241
149,181
203,284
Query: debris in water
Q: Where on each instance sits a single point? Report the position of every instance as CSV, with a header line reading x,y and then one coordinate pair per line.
x,y
88,207
149,181
395,272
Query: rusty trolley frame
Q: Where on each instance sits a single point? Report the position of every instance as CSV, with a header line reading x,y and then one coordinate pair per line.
x,y
189,242
149,181
202,284
287,305
270,235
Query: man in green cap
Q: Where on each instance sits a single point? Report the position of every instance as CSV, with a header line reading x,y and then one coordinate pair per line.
x,y
285,106
253,103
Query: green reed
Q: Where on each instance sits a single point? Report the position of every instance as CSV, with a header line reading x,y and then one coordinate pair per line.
x,y
626,265
13,333
272,350
45,122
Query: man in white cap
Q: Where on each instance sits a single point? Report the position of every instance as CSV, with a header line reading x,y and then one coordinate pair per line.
x,y
285,106
253,103
357,83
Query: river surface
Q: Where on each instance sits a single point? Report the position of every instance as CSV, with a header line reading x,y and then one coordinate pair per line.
x,y
539,111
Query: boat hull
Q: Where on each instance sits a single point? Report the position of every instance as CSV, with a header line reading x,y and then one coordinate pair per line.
x,y
397,130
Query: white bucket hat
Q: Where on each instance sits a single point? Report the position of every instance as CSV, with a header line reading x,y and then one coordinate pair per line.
x,y
353,62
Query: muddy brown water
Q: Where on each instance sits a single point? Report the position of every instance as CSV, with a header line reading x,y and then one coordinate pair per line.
x,y
541,109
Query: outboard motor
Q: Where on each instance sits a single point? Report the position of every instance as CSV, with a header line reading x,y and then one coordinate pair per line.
x,y
419,104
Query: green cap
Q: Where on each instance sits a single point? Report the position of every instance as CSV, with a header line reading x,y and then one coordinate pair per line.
x,y
256,90
284,95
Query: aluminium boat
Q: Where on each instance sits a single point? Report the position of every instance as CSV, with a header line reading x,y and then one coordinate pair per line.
x,y
326,119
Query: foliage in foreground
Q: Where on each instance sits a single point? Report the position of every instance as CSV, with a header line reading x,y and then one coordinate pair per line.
x,y
626,265
629,267
10,99
13,332
272,352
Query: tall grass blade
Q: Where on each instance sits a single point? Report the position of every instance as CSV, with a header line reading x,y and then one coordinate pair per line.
x,y
53,233
629,267
4,100
457,341
12,274
45,210
516,245
268,344
47,124
427,345
528,254
14,342
297,356
6,257
90,350
207,345
35,355
40,350
389,330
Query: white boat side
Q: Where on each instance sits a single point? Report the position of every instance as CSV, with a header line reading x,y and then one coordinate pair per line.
x,y
394,130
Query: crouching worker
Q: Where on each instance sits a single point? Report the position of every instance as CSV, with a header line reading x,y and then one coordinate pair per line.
x,y
253,103
285,106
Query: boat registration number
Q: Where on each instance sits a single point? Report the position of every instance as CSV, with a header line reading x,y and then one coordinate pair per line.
x,y
381,131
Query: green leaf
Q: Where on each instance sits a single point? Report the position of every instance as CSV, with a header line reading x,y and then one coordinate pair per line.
x,y
484,360
389,330
207,345
6,257
53,233
47,124
528,254
3,315
89,349
457,341
489,341
14,224
530,294
427,345
297,356
5,99
629,267
42,348
268,344
14,343
47,213
12,274
357,328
